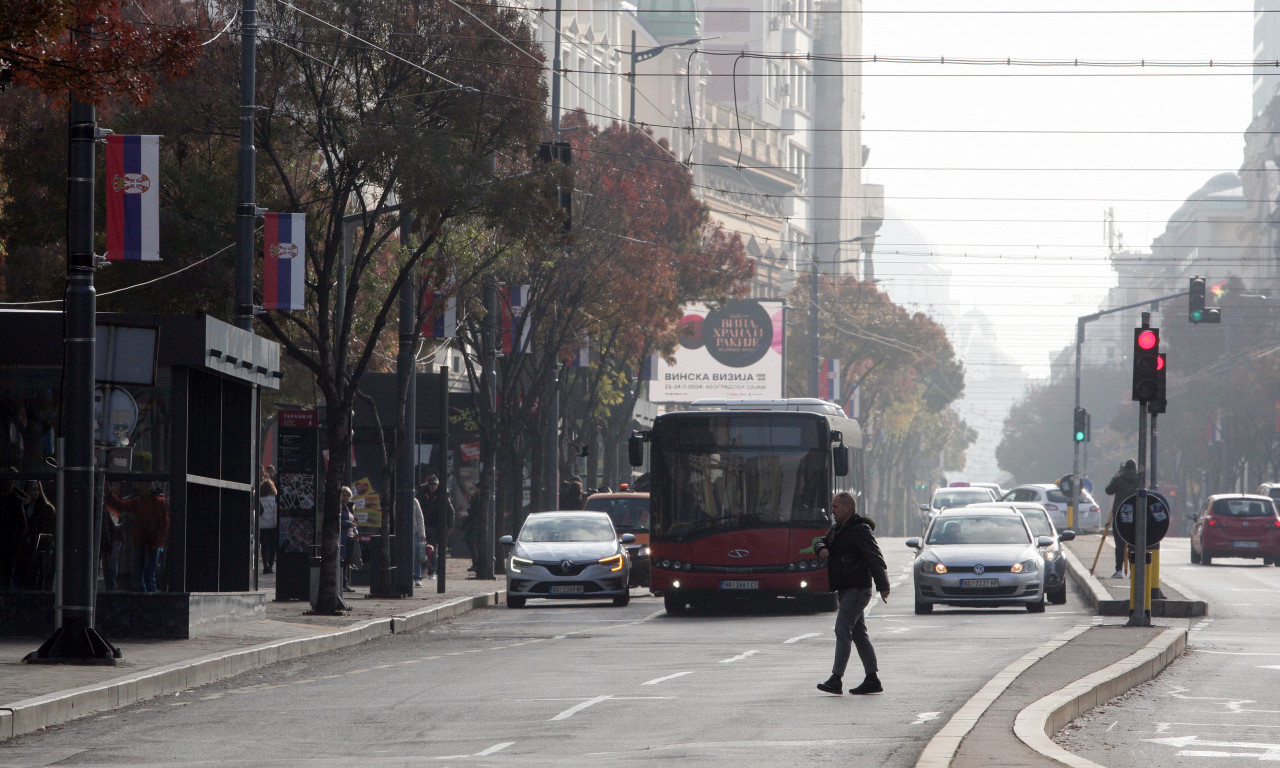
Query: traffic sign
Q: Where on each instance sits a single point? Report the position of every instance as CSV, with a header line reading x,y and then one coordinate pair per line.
x,y
1157,519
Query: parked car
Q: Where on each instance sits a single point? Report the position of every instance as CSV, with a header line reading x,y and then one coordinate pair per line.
x,y
629,512
1088,519
1038,520
979,558
568,555
1236,525
958,496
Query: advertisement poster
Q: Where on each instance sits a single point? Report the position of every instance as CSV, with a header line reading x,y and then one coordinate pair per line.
x,y
367,506
297,468
730,350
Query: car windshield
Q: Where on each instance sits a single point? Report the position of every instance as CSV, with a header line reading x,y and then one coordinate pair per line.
x,y
978,530
566,529
1243,508
960,498
629,514
1038,521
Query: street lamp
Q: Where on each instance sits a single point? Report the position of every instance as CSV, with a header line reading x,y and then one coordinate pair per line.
x,y
815,362
645,55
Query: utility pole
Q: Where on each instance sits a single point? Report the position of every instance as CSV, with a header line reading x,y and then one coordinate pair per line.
x,y
407,380
246,201
488,444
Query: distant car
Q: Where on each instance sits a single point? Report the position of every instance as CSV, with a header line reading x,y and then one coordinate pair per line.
x,y
979,557
1269,489
568,555
958,496
1236,525
1088,518
993,487
629,512
1055,579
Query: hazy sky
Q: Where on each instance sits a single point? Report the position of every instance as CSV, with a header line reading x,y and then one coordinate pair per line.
x,y
1008,170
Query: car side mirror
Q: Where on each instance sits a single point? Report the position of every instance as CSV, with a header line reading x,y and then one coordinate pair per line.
x,y
1066,535
627,538
1044,541
506,540
1192,517
925,507
914,542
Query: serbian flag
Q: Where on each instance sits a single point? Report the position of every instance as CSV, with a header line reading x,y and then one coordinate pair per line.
x,y
284,244
581,357
439,316
133,198
515,320
829,379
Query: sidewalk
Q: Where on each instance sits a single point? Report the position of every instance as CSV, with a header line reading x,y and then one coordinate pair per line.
x,y
35,696
1010,722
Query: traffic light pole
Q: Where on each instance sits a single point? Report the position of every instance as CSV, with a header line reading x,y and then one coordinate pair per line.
x,y
1080,323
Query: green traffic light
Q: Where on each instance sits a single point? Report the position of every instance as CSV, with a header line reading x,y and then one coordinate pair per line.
x,y
1079,436
1197,315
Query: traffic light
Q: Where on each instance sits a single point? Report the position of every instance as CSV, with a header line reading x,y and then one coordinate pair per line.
x,y
1146,353
1195,306
1081,425
561,152
1158,403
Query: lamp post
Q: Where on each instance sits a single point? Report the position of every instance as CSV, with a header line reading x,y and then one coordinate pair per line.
x,y
645,55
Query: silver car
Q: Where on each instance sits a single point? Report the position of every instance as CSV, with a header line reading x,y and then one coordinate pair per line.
x,y
568,555
981,558
1088,519
1055,565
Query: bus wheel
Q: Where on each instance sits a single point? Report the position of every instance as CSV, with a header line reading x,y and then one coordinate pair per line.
x,y
674,604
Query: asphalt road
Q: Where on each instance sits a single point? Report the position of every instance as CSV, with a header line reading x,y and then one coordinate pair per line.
x,y
1218,705
570,683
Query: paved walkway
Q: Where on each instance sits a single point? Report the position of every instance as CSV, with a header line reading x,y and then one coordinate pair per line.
x,y
1010,722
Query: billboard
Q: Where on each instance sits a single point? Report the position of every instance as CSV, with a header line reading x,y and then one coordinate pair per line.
x,y
733,349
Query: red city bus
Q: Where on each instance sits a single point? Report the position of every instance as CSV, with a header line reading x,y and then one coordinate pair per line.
x,y
739,491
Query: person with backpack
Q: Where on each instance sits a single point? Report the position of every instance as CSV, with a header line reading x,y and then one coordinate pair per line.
x,y
854,563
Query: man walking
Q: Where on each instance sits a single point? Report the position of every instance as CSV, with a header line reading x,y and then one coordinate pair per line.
x,y
1124,484
854,561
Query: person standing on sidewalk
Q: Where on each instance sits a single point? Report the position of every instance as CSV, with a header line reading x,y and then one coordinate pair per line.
x,y
1124,484
268,525
435,498
854,562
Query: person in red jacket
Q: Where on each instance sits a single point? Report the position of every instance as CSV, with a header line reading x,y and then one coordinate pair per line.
x,y
149,524
854,562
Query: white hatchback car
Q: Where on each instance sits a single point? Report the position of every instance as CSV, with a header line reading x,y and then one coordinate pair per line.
x,y
1088,518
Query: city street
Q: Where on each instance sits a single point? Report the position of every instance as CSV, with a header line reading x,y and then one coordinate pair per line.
x,y
572,683
1216,706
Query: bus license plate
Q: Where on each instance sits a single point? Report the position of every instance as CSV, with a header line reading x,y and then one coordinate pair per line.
x,y
739,585
566,589
1245,544
979,583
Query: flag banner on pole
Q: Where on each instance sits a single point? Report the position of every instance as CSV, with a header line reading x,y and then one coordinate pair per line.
x,y
133,198
581,357
649,367
829,379
515,321
439,315
284,242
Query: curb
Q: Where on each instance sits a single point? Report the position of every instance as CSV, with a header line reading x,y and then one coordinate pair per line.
x,y
40,712
1100,599
1035,725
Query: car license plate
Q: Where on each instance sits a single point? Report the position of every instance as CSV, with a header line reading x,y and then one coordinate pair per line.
x,y
979,583
739,585
1244,544
566,589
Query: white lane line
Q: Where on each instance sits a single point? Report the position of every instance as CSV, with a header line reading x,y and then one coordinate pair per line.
x,y
924,717
657,680
571,711
495,748
798,638
739,657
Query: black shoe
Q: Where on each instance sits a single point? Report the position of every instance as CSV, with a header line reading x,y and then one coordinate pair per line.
x,y
832,685
266,571
870,685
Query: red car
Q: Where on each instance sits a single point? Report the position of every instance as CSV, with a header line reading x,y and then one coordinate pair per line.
x,y
1236,525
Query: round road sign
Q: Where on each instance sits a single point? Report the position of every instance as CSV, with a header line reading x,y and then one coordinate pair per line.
x,y
1157,519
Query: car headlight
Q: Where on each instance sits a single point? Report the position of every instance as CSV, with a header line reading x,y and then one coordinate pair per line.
x,y
932,566
1026,566
614,562
519,563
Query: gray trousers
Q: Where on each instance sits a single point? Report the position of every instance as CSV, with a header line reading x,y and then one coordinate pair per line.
x,y
851,629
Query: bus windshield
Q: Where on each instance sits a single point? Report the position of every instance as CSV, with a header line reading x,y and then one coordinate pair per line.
x,y
729,473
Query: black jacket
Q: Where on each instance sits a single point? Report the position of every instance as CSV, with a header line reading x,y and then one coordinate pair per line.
x,y
854,560
1124,484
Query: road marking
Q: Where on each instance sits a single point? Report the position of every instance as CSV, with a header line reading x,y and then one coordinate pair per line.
x,y
798,638
739,657
1269,751
575,709
495,748
657,680
925,717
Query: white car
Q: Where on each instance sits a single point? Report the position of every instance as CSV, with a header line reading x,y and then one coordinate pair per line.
x,y
1088,519
574,555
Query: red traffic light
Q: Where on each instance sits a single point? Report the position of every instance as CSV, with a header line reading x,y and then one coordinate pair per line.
x,y
1160,362
1148,339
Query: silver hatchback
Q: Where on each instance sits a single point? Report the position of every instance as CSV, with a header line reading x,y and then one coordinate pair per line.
x,y
568,556
981,558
